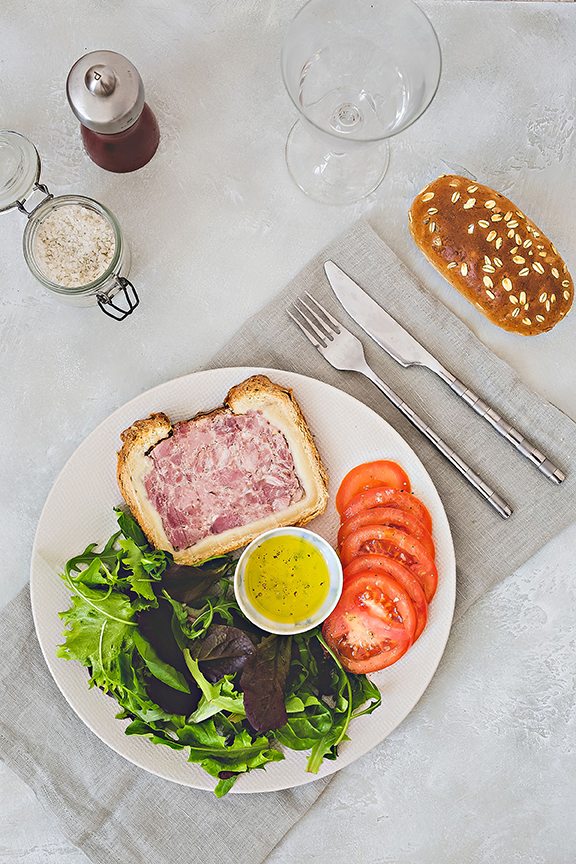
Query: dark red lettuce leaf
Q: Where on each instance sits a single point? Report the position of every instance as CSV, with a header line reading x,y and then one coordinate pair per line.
x,y
223,651
190,584
263,681
324,666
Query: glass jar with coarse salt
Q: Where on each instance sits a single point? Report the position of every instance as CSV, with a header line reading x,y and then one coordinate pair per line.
x,y
73,245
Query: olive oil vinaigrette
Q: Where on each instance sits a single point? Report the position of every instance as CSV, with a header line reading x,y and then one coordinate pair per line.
x,y
287,578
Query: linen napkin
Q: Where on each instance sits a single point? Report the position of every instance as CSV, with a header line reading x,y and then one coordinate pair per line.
x,y
119,814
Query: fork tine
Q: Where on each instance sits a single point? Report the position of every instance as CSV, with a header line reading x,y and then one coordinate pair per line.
x,y
329,319
312,322
316,342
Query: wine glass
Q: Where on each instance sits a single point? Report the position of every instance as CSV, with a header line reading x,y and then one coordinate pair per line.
x,y
358,71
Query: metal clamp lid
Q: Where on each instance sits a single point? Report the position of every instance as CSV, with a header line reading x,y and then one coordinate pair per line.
x,y
130,301
105,92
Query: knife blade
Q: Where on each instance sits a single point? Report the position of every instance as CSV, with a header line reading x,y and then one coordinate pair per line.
x,y
407,351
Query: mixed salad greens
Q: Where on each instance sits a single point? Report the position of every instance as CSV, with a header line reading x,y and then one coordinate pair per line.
x,y
189,671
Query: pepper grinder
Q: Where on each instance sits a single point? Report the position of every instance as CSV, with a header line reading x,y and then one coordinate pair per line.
x,y
106,93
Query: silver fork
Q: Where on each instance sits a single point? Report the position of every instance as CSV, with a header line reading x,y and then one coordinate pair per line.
x,y
345,352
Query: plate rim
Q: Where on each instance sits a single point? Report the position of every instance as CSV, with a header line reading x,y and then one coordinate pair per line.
x,y
242,372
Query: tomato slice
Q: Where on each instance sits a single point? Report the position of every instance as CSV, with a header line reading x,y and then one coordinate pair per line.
x,y
368,475
393,543
373,623
388,516
404,577
382,496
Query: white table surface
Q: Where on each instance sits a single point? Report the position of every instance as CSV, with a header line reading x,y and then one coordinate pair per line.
x,y
483,768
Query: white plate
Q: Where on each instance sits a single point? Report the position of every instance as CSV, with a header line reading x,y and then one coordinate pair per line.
x,y
79,510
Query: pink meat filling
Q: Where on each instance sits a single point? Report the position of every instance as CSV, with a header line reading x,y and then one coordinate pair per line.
x,y
220,472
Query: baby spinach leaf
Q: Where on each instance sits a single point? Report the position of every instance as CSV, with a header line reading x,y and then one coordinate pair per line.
x,y
155,732
364,691
130,528
161,670
156,626
306,726
174,702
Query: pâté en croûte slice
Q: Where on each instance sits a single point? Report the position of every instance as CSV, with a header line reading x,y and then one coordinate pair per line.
x,y
211,484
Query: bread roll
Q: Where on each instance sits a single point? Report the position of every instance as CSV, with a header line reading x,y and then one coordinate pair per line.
x,y
212,470
492,254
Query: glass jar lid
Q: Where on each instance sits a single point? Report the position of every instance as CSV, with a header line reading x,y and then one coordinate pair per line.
x,y
19,169
105,92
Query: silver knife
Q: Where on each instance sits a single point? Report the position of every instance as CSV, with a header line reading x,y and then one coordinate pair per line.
x,y
400,345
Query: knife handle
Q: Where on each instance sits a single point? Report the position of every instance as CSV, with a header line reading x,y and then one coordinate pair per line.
x,y
483,488
523,445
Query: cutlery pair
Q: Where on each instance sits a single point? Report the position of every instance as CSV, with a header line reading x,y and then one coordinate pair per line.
x,y
344,351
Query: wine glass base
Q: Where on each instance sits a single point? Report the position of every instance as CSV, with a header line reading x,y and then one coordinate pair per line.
x,y
334,178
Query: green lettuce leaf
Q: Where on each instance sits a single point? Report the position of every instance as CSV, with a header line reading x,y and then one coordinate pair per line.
x,y
200,677
100,628
309,719
143,567
215,697
219,755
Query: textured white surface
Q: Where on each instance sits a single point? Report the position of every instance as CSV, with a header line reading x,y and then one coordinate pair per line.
x,y
482,770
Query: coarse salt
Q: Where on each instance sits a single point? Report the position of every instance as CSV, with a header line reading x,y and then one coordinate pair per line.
x,y
74,245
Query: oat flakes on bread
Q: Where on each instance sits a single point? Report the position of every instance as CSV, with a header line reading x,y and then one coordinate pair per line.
x,y
276,410
493,254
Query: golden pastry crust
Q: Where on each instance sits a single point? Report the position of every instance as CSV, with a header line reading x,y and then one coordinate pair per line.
x,y
495,256
257,393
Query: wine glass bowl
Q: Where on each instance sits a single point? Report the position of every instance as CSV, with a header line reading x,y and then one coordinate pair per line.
x,y
358,72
